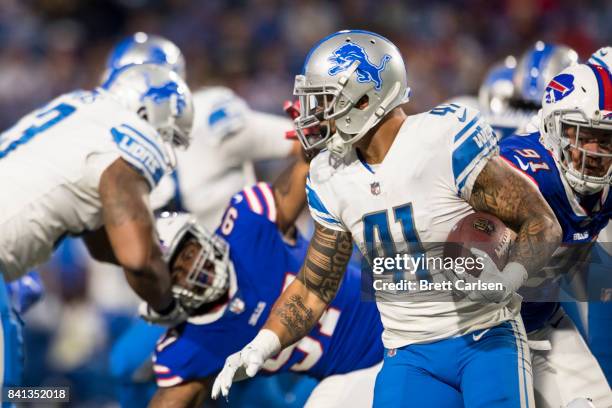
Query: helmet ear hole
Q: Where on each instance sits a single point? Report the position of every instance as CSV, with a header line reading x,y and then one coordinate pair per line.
x,y
142,113
363,102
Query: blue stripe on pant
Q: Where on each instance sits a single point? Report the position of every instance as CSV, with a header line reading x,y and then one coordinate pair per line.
x,y
11,341
486,368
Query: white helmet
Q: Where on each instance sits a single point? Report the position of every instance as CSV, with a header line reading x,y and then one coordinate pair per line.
x,y
340,71
141,48
208,277
579,98
158,95
603,57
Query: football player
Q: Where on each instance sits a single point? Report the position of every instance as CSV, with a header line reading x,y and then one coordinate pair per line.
x,y
230,280
89,160
569,159
598,315
227,137
388,177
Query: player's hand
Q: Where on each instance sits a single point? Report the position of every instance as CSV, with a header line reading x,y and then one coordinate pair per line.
x,y
246,362
511,277
176,316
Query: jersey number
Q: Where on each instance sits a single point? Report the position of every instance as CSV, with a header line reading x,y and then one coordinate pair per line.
x,y
311,347
380,241
51,117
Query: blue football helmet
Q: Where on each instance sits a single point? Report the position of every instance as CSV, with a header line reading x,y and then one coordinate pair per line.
x,y
536,67
142,48
158,95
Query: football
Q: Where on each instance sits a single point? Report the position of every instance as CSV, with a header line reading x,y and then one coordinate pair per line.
x,y
483,231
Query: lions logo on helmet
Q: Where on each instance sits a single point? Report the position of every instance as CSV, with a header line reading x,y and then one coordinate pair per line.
x,y
159,96
338,77
349,53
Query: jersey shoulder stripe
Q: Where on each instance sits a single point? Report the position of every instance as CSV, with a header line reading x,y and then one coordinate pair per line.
x,y
473,142
318,210
141,152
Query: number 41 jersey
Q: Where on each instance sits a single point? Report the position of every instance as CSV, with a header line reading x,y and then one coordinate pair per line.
x,y
408,204
51,162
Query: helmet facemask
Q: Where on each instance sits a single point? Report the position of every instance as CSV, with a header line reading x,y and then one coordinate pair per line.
x,y
200,268
588,170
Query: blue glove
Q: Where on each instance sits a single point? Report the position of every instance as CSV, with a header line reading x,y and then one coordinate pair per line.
x,y
25,291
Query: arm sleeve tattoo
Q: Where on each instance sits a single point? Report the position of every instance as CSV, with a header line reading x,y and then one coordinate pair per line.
x,y
326,261
501,191
321,275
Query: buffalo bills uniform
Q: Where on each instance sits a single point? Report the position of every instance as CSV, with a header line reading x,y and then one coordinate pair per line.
x,y
581,219
414,198
346,339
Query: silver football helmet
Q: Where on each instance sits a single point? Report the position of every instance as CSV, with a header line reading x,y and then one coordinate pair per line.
x,y
141,48
535,69
198,260
577,125
497,89
340,74
158,95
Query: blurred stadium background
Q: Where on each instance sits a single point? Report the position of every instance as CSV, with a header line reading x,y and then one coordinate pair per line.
x,y
48,47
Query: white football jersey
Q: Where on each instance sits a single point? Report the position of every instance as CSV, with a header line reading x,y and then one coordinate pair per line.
x,y
412,199
227,137
51,162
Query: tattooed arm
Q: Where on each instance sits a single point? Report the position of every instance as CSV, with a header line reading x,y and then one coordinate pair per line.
x,y
301,305
297,309
504,192
130,229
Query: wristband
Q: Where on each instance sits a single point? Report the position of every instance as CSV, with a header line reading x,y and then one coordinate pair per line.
x,y
267,342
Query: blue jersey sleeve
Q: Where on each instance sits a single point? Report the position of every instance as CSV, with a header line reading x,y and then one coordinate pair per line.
x,y
473,144
250,220
142,152
319,200
529,156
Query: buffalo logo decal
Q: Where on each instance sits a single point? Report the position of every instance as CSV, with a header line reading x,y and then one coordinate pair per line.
x,y
559,87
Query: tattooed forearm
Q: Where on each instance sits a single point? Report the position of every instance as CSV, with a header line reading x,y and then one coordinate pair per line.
x,y
501,191
326,261
295,316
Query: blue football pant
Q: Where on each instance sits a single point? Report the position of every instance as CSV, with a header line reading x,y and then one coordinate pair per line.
x,y
11,342
484,369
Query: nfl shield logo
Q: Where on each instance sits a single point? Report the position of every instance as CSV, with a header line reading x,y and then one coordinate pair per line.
x,y
375,188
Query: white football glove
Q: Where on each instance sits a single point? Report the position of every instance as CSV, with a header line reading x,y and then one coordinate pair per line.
x,y
511,277
173,318
246,362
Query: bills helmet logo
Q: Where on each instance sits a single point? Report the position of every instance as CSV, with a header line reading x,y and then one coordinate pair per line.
x,y
345,55
559,87
607,116
167,91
